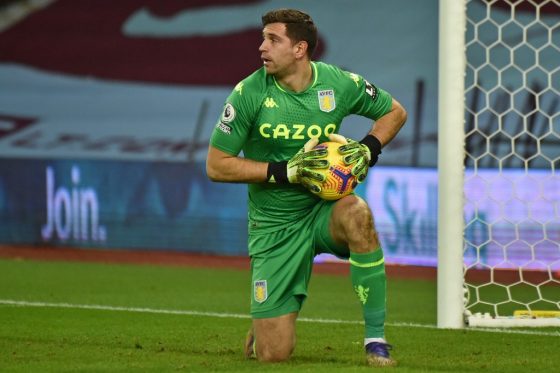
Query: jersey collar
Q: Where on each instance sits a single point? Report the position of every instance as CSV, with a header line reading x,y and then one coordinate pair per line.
x,y
314,81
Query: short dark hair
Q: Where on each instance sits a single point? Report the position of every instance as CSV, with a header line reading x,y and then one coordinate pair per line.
x,y
299,26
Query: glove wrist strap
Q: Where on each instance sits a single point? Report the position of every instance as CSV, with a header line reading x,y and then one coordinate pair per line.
x,y
277,172
374,146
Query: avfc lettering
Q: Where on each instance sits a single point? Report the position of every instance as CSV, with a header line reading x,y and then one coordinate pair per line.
x,y
295,131
260,291
327,102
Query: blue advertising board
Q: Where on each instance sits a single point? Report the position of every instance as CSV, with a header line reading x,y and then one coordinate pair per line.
x,y
116,204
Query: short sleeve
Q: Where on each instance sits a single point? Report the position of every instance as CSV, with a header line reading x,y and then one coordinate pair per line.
x,y
366,99
234,124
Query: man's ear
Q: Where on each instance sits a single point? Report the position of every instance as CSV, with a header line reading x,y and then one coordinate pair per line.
x,y
301,49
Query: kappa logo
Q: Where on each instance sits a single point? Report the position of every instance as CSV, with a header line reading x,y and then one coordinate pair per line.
x,y
355,78
327,102
270,103
239,88
261,292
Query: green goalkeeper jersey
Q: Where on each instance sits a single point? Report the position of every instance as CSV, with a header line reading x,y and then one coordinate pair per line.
x,y
269,123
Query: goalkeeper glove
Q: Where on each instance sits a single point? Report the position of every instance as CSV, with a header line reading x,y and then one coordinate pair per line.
x,y
302,168
361,154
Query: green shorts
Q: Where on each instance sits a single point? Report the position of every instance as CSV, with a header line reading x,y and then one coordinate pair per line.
x,y
282,268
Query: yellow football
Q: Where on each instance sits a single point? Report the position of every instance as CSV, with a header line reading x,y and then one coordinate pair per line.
x,y
339,181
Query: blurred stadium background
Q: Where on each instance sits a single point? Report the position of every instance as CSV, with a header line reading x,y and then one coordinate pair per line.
x,y
106,109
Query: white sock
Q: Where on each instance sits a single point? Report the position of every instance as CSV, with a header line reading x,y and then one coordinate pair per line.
x,y
369,340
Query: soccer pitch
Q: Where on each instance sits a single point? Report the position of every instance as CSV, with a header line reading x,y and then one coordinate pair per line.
x,y
61,316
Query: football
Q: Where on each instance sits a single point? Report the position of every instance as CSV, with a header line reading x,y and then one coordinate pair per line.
x,y
339,181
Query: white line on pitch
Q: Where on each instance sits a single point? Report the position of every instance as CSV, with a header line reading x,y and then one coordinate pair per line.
x,y
11,302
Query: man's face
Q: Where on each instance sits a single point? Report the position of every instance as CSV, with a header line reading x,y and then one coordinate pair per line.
x,y
277,51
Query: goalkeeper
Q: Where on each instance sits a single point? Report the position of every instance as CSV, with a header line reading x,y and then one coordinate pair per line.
x,y
275,116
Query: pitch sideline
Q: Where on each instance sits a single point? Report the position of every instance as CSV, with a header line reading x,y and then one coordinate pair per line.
x,y
19,303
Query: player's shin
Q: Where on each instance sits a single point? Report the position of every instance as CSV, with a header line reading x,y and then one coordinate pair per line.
x,y
369,281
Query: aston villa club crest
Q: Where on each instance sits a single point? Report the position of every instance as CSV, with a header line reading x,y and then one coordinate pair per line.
x,y
261,293
326,100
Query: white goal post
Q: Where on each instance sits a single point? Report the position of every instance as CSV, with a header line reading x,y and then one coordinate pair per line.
x,y
498,157
451,62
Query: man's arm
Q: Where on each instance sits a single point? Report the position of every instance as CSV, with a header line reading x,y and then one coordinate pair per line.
x,y
387,127
221,166
367,151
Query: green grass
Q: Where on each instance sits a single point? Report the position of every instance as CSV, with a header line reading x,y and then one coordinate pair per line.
x,y
55,339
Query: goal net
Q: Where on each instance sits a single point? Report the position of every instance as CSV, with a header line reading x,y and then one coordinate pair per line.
x,y
511,153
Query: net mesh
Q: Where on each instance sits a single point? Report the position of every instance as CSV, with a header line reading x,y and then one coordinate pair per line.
x,y
512,188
